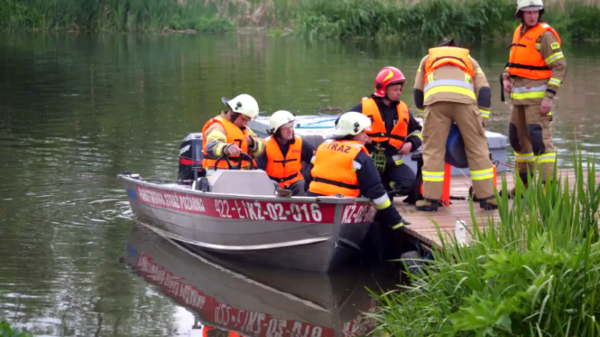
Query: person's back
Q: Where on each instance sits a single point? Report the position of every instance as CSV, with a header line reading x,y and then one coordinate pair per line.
x,y
451,88
343,167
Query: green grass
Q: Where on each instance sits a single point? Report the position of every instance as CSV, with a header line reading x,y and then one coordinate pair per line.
x,y
535,273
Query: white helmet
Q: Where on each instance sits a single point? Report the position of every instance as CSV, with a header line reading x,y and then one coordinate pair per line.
x,y
529,5
279,119
351,123
243,104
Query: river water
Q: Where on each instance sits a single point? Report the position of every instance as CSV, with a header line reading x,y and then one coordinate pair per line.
x,y
77,109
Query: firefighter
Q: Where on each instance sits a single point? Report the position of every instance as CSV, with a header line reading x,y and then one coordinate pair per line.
x,y
451,88
285,153
535,71
342,166
228,135
394,131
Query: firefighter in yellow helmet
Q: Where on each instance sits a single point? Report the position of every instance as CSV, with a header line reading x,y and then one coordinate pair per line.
x,y
285,154
535,70
451,88
228,134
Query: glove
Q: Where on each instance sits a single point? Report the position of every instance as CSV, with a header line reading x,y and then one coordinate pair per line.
x,y
379,160
390,217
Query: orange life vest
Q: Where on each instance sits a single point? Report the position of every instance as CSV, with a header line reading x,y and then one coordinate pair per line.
x,y
234,135
378,131
525,60
206,329
333,171
441,56
285,170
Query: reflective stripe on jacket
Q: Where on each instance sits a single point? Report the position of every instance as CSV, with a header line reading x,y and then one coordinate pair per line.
x,y
455,85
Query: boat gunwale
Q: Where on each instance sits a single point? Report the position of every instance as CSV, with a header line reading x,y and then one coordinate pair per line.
x,y
212,195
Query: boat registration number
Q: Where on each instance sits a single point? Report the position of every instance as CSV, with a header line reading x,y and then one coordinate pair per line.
x,y
255,210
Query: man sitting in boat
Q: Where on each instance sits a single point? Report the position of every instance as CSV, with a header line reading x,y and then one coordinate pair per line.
x,y
342,166
394,131
285,153
227,134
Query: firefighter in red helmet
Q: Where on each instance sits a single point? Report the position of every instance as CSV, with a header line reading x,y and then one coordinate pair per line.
x,y
394,131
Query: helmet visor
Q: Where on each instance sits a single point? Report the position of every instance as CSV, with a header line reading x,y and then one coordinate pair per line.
x,y
533,8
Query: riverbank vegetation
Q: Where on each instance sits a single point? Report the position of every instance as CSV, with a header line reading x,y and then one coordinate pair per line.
x,y
464,19
534,274
7,331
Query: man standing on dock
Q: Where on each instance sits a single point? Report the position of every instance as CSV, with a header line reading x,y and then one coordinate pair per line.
x,y
228,134
535,70
451,88
394,131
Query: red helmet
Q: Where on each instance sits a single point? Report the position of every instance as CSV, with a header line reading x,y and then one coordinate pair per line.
x,y
387,76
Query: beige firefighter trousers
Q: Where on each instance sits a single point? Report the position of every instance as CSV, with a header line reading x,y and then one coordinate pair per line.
x,y
530,136
437,120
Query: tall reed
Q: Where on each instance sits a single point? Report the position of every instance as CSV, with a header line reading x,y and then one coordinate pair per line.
x,y
435,19
406,19
535,273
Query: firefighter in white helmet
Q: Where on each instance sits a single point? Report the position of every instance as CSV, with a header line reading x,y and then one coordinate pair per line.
x,y
285,153
228,134
535,70
342,166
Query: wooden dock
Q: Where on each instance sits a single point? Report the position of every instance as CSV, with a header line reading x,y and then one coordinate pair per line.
x,y
422,228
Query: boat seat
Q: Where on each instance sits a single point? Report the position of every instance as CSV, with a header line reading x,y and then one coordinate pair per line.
x,y
249,182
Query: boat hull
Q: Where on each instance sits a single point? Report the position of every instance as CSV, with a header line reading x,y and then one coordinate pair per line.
x,y
307,233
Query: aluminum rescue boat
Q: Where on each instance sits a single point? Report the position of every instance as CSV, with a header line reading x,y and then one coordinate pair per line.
x,y
240,213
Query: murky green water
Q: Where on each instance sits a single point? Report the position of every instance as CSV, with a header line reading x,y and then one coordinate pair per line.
x,y
75,110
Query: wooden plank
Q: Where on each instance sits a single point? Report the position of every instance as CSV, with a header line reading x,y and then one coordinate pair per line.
x,y
422,226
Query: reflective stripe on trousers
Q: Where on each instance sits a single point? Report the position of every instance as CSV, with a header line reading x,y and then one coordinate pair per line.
x,y
433,176
546,158
524,157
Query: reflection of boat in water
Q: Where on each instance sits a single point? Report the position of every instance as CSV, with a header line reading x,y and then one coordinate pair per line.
x,y
251,299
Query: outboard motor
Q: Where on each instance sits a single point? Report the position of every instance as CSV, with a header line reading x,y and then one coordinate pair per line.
x,y
190,159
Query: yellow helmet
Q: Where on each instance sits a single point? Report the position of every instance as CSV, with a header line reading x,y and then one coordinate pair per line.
x,y
529,5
